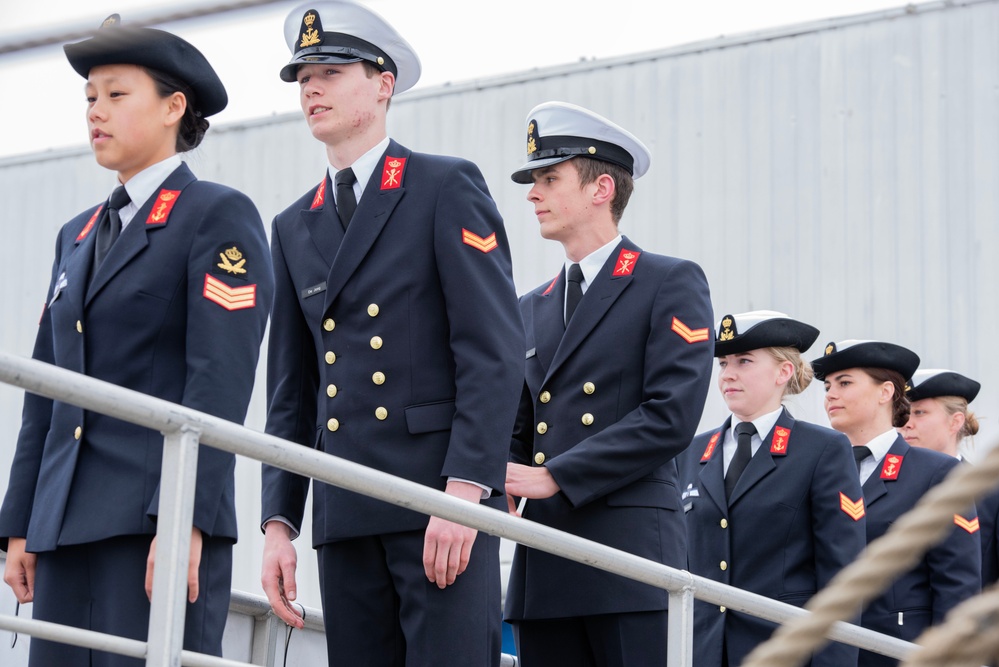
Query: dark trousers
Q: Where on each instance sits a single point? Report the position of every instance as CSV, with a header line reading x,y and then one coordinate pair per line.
x,y
382,611
100,586
604,640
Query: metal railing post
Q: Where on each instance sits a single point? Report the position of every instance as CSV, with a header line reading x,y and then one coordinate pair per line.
x,y
173,546
680,622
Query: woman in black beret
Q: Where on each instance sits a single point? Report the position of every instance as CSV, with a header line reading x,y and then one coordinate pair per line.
x,y
164,288
865,399
772,503
940,420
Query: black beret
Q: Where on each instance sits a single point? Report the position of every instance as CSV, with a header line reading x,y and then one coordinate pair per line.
x,y
865,354
934,383
115,44
762,328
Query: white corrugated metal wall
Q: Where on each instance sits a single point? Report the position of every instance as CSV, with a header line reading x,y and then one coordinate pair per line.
x,y
846,172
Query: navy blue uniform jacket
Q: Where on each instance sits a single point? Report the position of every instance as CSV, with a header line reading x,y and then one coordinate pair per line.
x,y
396,344
947,575
161,317
607,407
795,519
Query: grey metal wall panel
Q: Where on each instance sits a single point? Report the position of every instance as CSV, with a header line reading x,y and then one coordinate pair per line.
x,y
844,171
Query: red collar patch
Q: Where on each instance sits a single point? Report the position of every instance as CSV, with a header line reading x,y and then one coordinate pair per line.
x,y
625,263
320,197
710,449
90,224
551,286
392,172
165,201
891,466
778,445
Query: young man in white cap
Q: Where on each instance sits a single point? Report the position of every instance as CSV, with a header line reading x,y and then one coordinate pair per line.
x,y
619,357
395,343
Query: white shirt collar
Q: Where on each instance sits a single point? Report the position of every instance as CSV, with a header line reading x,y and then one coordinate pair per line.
x,y
363,167
592,263
763,424
144,185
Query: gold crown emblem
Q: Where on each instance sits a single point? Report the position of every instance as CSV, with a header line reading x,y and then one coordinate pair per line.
x,y
310,18
234,254
629,255
395,164
727,322
893,459
167,196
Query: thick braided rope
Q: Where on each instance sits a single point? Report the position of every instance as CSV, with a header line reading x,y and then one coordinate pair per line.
x,y
882,562
967,636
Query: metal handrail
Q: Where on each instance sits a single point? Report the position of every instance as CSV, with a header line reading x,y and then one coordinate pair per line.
x,y
183,428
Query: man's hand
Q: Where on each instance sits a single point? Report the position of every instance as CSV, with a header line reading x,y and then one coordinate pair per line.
x,y
278,573
448,546
192,567
533,482
20,570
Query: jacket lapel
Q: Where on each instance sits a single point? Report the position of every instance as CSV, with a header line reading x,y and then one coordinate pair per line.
x,y
549,319
135,235
373,212
712,472
762,463
597,300
323,224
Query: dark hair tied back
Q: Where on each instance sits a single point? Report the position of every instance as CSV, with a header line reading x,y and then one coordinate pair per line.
x,y
192,126
900,402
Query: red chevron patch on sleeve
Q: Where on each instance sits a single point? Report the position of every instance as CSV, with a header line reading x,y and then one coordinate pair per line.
x,y
854,510
230,298
487,244
688,334
970,526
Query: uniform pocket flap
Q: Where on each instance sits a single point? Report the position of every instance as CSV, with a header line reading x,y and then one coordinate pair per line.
x,y
646,494
430,417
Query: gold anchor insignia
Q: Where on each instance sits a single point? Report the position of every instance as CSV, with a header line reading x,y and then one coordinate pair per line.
x,y
532,146
235,255
160,213
310,36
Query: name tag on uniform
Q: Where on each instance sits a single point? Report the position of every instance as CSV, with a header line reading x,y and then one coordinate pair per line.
x,y
314,290
690,492
531,352
60,285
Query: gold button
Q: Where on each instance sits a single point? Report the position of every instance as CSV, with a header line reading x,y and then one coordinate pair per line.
x,y
79,326
539,458
723,565
378,377
587,419
589,388
331,390
333,424
373,310
592,150
329,324
381,61
542,427
376,342
545,397
330,357
381,413
724,523
722,609
78,433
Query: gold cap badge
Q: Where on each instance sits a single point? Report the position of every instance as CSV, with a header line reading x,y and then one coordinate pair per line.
x,y
830,348
112,20
532,137
727,330
312,29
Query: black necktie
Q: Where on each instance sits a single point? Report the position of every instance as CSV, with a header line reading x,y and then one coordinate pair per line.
x,y
573,291
743,452
109,226
346,203
859,454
